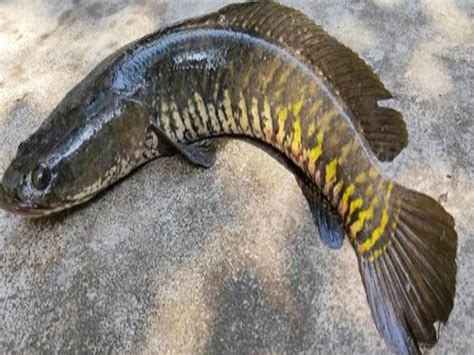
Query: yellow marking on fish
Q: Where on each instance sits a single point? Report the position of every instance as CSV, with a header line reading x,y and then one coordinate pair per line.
x,y
282,117
216,91
389,193
337,190
213,117
191,108
312,90
267,120
297,108
201,107
296,142
325,119
244,120
256,118
223,121
369,191
315,153
373,173
365,215
165,118
284,77
377,253
345,152
164,106
355,205
177,122
246,78
188,124
345,199
228,111
376,234
380,230
361,178
331,170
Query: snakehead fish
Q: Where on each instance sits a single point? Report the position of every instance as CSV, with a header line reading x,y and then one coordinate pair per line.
x,y
266,73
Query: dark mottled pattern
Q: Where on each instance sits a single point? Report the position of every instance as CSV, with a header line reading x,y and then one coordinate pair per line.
x,y
211,69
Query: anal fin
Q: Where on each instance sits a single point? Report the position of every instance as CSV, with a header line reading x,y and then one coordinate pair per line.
x,y
326,219
329,223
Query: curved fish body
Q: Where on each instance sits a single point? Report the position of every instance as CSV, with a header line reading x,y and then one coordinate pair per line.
x,y
263,72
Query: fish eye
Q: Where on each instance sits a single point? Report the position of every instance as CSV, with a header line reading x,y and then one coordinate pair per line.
x,y
41,177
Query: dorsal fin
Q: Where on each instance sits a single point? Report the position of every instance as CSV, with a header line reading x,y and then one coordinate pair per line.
x,y
350,77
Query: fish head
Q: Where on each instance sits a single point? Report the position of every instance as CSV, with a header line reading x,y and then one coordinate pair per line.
x,y
92,139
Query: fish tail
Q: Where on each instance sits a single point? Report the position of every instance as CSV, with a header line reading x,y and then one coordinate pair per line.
x,y
409,269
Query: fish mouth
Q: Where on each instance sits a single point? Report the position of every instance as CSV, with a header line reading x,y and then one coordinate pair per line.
x,y
15,206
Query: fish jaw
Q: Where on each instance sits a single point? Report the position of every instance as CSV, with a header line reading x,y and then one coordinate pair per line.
x,y
11,204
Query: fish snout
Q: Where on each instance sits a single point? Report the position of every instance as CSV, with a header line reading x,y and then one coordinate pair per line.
x,y
5,201
11,192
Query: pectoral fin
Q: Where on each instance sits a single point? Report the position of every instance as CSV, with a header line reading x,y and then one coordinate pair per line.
x,y
202,153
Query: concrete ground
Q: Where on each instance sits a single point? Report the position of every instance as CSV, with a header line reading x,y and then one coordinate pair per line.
x,y
180,260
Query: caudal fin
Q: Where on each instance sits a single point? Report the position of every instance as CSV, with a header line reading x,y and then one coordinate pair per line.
x,y
410,281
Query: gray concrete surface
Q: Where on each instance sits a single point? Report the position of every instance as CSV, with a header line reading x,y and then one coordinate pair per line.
x,y
180,260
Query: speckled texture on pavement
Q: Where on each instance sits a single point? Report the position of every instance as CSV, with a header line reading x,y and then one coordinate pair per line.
x,y
179,259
